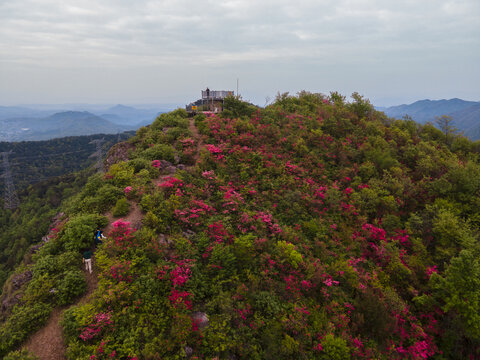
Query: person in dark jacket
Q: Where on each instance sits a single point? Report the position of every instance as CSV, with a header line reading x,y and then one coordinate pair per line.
x,y
87,260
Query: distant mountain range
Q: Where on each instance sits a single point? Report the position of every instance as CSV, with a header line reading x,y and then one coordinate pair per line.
x,y
466,114
68,123
127,115
25,124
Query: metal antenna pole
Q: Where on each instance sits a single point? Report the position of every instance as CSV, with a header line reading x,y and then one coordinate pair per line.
x,y
98,154
11,197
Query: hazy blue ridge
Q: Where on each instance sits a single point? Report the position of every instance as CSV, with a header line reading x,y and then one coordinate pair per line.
x,y
466,114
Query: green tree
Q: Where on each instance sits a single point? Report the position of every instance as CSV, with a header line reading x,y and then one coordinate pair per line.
x,y
445,123
460,290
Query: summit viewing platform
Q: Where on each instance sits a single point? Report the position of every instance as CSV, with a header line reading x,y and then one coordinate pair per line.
x,y
211,101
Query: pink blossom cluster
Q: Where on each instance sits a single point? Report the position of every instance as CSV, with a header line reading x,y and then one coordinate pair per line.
x,y
431,270
403,238
215,151
180,275
171,182
192,214
121,272
188,142
329,282
210,175
99,323
375,233
217,232
267,219
122,235
180,298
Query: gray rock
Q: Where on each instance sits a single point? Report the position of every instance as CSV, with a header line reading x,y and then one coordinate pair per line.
x,y
162,239
164,164
188,351
201,319
189,233
20,279
171,169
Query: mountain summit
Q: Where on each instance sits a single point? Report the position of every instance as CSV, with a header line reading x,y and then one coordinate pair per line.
x,y
315,228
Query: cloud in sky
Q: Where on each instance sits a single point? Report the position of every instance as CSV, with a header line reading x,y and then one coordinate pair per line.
x,y
163,51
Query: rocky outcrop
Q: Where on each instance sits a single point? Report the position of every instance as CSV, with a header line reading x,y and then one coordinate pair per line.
x,y
118,152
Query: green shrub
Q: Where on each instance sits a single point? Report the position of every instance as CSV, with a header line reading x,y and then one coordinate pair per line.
x,y
159,152
139,164
46,265
235,107
175,133
79,231
287,253
175,118
121,173
334,348
71,286
122,207
267,303
40,289
460,291
23,321
20,355
94,183
68,260
70,324
108,195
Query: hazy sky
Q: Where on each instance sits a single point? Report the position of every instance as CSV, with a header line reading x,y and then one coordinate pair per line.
x,y
124,51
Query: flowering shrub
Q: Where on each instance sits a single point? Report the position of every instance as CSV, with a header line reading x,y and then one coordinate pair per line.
x,y
309,229
122,235
99,323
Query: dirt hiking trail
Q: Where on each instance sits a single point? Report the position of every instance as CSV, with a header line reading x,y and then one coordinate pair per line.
x,y
47,343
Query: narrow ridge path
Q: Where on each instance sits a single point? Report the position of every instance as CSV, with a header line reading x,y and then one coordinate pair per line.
x,y
47,343
197,137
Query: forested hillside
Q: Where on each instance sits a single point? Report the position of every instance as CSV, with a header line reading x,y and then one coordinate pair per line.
x,y
315,228
42,173
34,161
26,225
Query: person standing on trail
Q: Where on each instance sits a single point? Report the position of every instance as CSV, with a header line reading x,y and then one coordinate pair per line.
x,y
99,237
87,260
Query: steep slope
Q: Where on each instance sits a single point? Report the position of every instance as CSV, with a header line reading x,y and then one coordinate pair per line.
x,y
47,343
35,161
314,228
